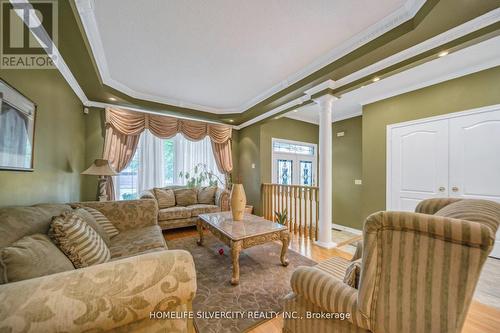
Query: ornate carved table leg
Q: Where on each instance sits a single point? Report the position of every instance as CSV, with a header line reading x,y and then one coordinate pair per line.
x,y
235,256
285,240
199,227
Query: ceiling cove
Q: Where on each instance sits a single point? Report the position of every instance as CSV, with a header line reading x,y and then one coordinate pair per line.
x,y
238,88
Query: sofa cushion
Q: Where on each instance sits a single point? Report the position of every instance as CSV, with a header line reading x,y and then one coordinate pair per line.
x,y
81,244
202,209
31,257
173,213
165,197
103,221
475,210
17,222
335,266
137,241
90,220
206,195
353,274
186,196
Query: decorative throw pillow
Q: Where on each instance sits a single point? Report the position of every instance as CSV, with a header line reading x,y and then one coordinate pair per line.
x,y
206,195
32,256
103,222
81,244
165,198
353,274
186,197
90,220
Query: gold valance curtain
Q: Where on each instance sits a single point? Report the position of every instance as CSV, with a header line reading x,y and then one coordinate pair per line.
x,y
124,127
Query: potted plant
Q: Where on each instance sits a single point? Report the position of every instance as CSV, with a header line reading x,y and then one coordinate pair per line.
x,y
199,176
281,217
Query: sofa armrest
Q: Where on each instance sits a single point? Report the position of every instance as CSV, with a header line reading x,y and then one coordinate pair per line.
x,y
358,254
328,293
148,194
126,214
100,297
222,199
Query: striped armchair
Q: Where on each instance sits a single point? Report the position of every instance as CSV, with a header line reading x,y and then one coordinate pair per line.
x,y
418,272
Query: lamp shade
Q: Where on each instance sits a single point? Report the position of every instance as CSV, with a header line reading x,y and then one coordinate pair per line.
x,y
100,167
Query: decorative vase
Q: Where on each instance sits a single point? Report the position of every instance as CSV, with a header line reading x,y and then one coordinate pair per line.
x,y
238,202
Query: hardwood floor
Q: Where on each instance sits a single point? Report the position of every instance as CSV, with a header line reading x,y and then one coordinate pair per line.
x,y
480,319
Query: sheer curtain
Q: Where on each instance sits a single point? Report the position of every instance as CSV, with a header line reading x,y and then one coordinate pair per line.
x,y
188,154
151,172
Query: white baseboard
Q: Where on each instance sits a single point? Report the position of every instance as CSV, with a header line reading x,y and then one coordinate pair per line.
x,y
344,228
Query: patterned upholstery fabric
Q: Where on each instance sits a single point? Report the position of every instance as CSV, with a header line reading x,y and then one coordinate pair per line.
x,y
31,257
186,196
202,209
78,240
170,220
174,213
335,266
418,271
126,214
89,218
103,221
431,206
352,274
136,241
165,197
114,297
222,199
206,195
480,211
327,292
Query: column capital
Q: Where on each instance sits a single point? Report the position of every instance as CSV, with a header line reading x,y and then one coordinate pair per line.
x,y
322,98
325,88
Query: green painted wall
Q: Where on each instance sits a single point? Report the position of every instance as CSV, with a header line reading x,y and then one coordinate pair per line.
x,y
471,91
255,147
59,141
94,135
347,157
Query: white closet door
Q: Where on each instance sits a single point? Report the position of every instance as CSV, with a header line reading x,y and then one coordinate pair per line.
x,y
475,159
419,164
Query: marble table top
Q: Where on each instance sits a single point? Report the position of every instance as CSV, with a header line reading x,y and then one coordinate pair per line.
x,y
250,226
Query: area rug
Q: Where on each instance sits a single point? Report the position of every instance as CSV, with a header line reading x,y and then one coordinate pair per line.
x,y
263,282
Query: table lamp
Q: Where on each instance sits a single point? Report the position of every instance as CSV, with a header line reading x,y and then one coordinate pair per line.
x,y
101,168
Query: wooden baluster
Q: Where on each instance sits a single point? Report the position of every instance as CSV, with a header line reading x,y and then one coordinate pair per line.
x,y
295,193
310,213
270,204
317,214
299,222
263,199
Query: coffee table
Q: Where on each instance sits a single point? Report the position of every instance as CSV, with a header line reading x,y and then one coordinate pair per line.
x,y
238,235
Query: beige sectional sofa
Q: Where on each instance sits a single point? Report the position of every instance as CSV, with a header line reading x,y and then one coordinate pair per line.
x,y
142,277
183,209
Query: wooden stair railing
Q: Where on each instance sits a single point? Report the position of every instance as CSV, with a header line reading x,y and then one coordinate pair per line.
x,y
301,203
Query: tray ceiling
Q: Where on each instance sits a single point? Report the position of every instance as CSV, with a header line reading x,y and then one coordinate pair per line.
x,y
224,56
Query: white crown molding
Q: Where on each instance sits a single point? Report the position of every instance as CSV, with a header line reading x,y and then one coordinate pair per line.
x,y
131,108
434,42
89,22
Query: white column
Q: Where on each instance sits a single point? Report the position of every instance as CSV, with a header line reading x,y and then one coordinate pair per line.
x,y
325,103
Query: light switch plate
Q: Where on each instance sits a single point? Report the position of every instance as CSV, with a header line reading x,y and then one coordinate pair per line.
x,y
357,182
253,165
340,134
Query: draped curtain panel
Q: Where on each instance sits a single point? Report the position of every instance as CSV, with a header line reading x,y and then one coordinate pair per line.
x,y
124,127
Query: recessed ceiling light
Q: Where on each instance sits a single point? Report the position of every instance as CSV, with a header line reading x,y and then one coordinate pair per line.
x,y
361,87
375,79
112,99
295,110
443,53
231,120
